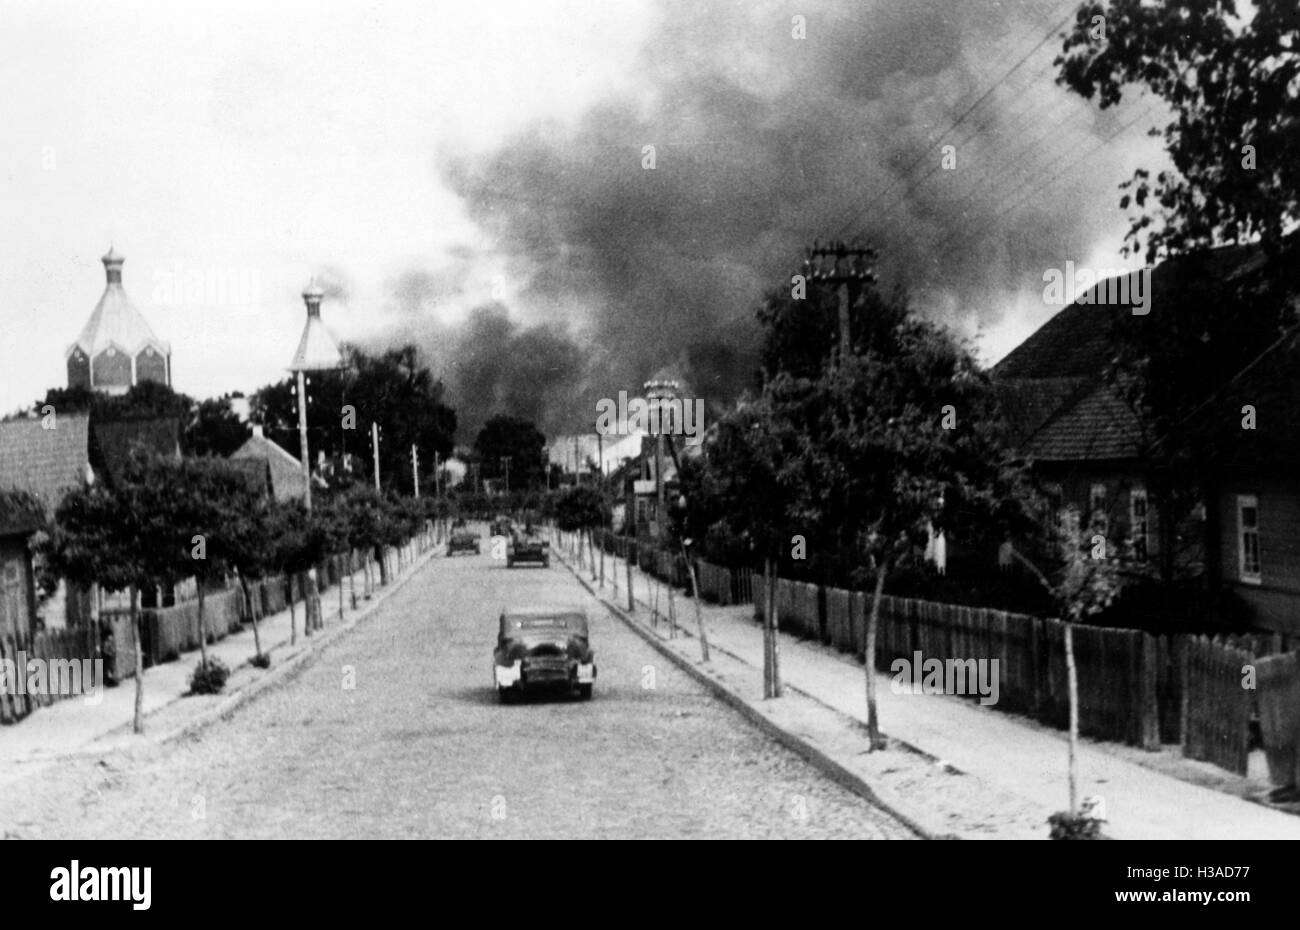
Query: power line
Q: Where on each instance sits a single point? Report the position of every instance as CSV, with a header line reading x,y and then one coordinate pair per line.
x,y
995,116
966,231
960,119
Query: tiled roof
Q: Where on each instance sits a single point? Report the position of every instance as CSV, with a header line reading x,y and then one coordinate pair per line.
x,y
286,471
1097,426
257,471
114,442
1053,387
1075,343
46,462
1078,342
1028,403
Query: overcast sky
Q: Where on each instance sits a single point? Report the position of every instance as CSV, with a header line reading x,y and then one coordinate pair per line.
x,y
387,148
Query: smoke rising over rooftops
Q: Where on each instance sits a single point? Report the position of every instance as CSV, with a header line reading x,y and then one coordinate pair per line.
x,y
761,143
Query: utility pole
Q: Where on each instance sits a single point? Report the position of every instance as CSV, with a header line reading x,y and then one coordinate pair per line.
x,y
842,267
316,352
656,392
302,438
374,449
415,469
505,461
437,475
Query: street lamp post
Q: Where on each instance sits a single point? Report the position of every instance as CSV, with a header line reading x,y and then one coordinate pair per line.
x,y
316,352
656,393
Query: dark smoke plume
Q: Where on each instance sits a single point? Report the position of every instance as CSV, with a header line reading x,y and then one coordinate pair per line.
x,y
762,142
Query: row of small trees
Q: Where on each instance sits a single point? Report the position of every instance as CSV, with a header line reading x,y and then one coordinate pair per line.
x,y
166,520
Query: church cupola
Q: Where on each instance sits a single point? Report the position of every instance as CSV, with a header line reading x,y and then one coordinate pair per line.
x,y
117,348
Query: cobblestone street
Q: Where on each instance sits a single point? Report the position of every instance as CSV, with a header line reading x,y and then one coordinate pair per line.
x,y
420,746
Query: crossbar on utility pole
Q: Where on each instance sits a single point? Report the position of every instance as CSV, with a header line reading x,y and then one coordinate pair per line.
x,y
841,266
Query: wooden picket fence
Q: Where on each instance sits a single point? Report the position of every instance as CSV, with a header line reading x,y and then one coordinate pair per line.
x,y
1216,721
1278,693
50,646
1134,687
166,632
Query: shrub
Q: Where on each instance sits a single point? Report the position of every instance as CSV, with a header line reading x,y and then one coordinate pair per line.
x,y
1068,826
209,677
261,660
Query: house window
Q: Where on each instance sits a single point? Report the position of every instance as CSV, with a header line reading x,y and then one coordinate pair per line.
x,y
1248,537
1137,522
641,510
1068,525
1100,519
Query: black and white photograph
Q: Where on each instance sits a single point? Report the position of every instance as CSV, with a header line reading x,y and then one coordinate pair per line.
x,y
651,420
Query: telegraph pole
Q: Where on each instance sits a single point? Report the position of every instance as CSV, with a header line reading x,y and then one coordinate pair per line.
x,y
656,392
374,449
415,469
842,267
505,460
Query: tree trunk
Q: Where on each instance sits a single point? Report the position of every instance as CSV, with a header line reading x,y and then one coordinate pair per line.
x,y
293,617
138,724
1073,685
591,554
383,566
699,614
311,603
602,563
203,632
352,576
775,625
672,611
769,607
631,605
338,568
873,625
252,613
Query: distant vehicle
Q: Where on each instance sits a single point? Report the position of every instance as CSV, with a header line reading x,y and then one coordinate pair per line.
x,y
543,648
501,527
463,540
527,547
458,522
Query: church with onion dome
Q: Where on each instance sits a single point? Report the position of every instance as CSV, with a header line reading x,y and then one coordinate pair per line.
x,y
117,349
